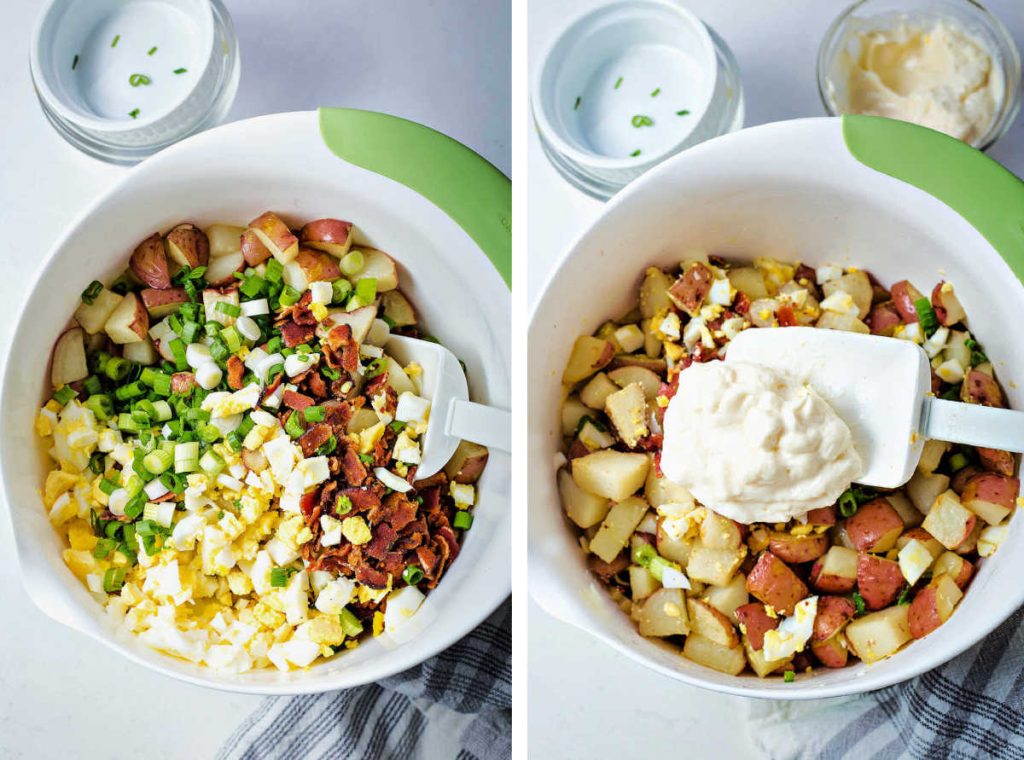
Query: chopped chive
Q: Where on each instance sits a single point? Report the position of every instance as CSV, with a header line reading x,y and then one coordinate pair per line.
x,y
635,153
848,504
858,602
684,112
642,121
463,521
151,50
657,91
90,293
350,624
279,577
926,316
134,113
64,395
789,676
412,575
182,70
578,101
904,597
116,38
74,63
617,83
138,79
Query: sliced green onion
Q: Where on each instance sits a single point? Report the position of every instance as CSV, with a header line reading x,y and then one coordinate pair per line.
x,y
131,390
657,91
186,457
181,70
294,426
642,121
234,440
211,463
366,289
635,153
100,405
279,577
127,423
858,602
957,462
314,413
117,37
134,113
90,293
788,676
96,465
134,507
158,461
618,83
274,344
135,80
848,505
330,373
926,316
190,331
108,486
343,505
64,395
351,263
230,309
684,112
350,624
74,63
103,548
177,347
412,575
464,521
113,579
289,296
340,290
232,339
208,433
275,270
275,371
151,50
162,410
92,385
328,447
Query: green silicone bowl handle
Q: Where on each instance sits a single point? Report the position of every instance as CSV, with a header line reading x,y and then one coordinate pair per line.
x,y
986,194
472,192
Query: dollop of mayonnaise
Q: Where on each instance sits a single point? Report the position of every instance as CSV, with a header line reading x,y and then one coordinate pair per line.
x,y
755,444
937,76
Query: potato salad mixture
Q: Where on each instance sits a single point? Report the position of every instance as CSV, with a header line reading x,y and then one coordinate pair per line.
x,y
855,580
235,452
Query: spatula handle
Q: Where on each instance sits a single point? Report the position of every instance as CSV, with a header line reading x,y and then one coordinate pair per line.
x,y
973,424
480,424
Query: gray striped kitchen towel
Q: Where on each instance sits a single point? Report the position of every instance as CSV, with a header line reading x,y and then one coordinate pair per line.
x,y
455,705
969,708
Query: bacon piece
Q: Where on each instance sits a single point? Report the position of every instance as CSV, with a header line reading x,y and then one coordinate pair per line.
x,y
314,438
339,336
437,479
691,288
338,413
308,503
363,499
649,443
428,561
293,334
371,577
351,466
431,500
236,369
605,570
301,314
296,401
742,304
182,383
316,385
399,510
376,385
384,537
786,316
278,379
576,450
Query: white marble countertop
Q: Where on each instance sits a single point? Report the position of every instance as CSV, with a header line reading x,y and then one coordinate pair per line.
x,y
584,699
444,63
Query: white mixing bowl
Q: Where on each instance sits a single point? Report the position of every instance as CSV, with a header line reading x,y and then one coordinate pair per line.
x,y
791,190
232,174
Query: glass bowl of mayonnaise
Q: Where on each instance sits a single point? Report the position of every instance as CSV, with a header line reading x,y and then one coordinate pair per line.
x,y
945,64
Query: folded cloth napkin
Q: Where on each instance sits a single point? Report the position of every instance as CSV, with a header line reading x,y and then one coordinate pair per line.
x,y
971,707
457,704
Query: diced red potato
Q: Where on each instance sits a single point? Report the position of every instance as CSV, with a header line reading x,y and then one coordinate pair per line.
x,y
884,319
611,474
664,614
857,286
718,532
727,599
876,636
704,651
879,580
636,360
149,262
587,357
467,463
924,537
69,362
822,516
931,455
332,236
924,488
92,316
962,476
756,622
832,652
129,321
798,549
991,496
706,621
713,566
380,267
833,320
909,514
645,378
760,664
773,582
875,526
398,309
161,303
947,306
903,297
995,460
617,527
253,250
949,521
955,566
310,266
187,245
275,236
834,612
836,572
688,292
225,239
933,605
970,544
654,292
981,388
141,352
221,270
750,282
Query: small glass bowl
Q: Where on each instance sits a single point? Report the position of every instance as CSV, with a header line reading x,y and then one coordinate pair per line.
x,y
974,18
579,71
198,103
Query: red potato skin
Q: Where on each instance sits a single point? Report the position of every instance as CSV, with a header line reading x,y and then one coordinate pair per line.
x,y
253,250
831,653
331,231
996,460
149,262
984,390
822,516
691,288
879,580
875,526
884,318
319,265
961,477
188,237
964,576
920,534
798,549
924,614
940,310
154,299
903,296
774,583
756,622
830,584
993,488
833,613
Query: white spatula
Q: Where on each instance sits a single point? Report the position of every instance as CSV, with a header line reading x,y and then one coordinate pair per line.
x,y
880,387
453,417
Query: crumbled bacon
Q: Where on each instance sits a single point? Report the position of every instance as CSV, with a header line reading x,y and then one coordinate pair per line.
x,y
274,385
182,383
236,369
314,438
363,499
786,316
296,401
316,385
293,333
742,304
301,314
351,466
384,536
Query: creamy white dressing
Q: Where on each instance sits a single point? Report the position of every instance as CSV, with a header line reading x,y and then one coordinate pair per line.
x,y
755,444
